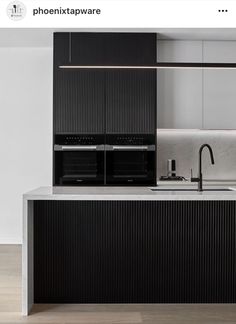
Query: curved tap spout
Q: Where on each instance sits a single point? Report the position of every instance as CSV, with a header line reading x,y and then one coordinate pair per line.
x,y
210,151
199,179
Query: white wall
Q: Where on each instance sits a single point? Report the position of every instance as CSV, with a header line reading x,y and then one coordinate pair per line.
x,y
25,131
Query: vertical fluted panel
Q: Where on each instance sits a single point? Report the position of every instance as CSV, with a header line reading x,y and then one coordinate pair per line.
x,y
81,97
79,102
135,251
131,102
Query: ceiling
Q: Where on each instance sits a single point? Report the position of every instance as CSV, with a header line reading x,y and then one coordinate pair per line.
x,y
43,37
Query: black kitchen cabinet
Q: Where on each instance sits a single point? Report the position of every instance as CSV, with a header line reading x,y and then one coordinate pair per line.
x,y
104,48
97,102
78,95
79,102
88,49
61,49
134,252
130,102
92,101
113,48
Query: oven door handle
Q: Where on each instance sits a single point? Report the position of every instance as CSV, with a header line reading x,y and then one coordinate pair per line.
x,y
79,147
130,147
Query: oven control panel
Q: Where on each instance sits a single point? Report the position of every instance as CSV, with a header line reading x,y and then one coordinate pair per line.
x,y
74,139
131,139
111,139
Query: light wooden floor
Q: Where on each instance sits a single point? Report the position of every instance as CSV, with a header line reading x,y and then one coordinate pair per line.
x,y
10,305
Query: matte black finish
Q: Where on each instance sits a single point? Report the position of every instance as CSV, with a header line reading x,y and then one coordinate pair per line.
x,y
61,49
101,102
131,102
79,102
199,179
97,102
135,252
113,48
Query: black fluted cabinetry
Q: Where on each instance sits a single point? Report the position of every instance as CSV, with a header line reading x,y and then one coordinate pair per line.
x,y
131,102
92,101
134,251
79,102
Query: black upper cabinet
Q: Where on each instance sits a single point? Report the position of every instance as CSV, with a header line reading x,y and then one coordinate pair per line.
x,y
79,102
88,49
131,49
92,101
61,49
113,48
130,102
105,48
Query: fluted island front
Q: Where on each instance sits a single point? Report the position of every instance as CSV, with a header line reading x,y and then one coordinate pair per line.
x,y
128,245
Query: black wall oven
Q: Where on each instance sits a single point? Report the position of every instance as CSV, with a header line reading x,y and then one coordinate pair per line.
x,y
79,160
104,160
130,160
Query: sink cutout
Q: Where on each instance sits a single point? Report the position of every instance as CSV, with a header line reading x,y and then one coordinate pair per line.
x,y
190,189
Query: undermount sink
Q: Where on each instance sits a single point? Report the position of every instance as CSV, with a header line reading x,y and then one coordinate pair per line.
x,y
191,189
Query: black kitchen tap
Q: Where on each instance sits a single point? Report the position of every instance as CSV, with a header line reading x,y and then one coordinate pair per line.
x,y
199,179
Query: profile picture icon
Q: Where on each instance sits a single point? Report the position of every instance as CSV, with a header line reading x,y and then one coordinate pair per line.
x,y
16,10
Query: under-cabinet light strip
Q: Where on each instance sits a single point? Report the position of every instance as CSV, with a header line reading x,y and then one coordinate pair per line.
x,y
197,66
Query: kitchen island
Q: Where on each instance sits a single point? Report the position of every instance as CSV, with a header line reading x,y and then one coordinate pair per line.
x,y
128,245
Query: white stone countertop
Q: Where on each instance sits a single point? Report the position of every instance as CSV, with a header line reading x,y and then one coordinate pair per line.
x,y
206,182
131,193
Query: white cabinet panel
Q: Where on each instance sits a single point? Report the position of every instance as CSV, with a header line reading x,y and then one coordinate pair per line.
x,y
179,51
179,99
219,96
219,99
219,51
179,92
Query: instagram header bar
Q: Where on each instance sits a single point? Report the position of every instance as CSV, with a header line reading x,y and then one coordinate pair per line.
x,y
117,14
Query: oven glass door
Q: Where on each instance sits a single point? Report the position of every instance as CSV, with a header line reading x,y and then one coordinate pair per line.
x,y
79,167
130,167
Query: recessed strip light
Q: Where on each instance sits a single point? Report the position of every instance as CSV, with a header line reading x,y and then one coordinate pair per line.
x,y
197,66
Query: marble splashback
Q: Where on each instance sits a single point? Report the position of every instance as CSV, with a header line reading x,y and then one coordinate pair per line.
x,y
183,146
